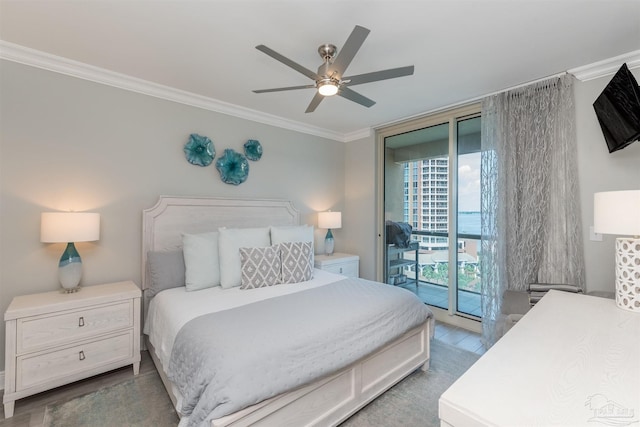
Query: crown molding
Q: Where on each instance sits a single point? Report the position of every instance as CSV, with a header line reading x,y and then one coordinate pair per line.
x,y
606,67
357,134
35,58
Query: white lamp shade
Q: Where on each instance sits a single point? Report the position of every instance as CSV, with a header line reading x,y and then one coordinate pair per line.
x,y
330,220
617,212
65,227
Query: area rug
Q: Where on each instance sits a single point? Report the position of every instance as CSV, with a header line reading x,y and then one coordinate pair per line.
x,y
413,402
139,402
143,401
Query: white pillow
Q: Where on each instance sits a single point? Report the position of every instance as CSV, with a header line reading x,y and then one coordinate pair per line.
x,y
295,233
201,261
229,243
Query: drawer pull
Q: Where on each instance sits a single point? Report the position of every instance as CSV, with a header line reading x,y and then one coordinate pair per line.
x,y
81,322
81,355
340,269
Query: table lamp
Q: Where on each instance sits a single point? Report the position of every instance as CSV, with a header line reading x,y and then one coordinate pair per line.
x,y
69,227
329,220
618,212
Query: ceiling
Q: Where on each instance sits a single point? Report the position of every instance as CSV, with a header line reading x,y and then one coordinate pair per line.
x,y
461,49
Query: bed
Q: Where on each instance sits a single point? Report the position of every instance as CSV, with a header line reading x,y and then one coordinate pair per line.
x,y
326,399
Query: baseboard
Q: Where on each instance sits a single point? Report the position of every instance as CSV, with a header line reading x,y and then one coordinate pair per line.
x,y
442,315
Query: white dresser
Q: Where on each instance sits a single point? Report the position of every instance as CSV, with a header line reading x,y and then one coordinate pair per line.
x,y
54,338
573,360
340,263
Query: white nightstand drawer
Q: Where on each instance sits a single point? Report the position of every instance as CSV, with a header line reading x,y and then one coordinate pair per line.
x,y
54,338
39,368
39,332
347,269
345,264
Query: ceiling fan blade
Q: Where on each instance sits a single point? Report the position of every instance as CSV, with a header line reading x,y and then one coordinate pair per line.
x,y
286,61
349,50
354,96
375,76
314,103
280,89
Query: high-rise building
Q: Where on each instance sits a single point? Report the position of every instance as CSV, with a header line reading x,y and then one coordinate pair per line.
x,y
426,199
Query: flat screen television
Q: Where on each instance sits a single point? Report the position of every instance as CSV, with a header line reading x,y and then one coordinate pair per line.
x,y
618,110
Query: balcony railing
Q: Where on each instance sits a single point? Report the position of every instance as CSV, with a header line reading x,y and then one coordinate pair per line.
x,y
433,264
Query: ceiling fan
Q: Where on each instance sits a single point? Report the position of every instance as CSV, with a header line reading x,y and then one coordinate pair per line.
x,y
330,79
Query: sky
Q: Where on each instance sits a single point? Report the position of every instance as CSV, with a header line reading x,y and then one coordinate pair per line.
x,y
469,182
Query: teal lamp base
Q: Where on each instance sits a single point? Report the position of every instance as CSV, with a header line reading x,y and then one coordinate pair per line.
x,y
70,269
329,243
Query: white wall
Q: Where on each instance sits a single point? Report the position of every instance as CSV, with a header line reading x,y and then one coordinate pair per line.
x,y
598,171
70,144
359,225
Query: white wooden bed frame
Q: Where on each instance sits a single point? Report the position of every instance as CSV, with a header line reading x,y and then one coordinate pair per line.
x,y
326,402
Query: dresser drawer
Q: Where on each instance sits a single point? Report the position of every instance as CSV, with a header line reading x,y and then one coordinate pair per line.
x,y
64,363
46,331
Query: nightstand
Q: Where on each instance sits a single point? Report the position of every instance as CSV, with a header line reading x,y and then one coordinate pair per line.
x,y
54,338
345,264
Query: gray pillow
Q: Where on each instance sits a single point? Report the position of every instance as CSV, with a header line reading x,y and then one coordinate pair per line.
x,y
260,267
166,271
296,261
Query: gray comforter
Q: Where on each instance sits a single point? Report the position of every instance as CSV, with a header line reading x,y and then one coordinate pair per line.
x,y
225,361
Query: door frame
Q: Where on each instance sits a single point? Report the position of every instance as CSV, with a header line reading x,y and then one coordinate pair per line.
x,y
451,116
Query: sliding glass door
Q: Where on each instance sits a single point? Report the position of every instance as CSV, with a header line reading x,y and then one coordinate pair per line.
x,y
431,181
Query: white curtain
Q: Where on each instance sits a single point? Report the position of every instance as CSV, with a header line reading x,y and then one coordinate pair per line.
x,y
531,227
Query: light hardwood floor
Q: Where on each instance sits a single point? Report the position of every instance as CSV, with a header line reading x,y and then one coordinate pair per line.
x,y
459,337
29,412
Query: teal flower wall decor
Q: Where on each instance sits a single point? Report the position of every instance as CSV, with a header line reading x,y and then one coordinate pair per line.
x,y
253,150
233,167
199,150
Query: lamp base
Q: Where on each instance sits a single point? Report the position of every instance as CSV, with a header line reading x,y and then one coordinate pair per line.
x,y
70,269
329,243
628,274
70,290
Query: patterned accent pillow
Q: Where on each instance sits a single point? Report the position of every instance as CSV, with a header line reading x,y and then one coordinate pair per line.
x,y
297,263
230,241
260,267
292,233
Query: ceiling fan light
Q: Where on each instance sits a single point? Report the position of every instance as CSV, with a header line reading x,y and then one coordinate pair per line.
x,y
328,88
